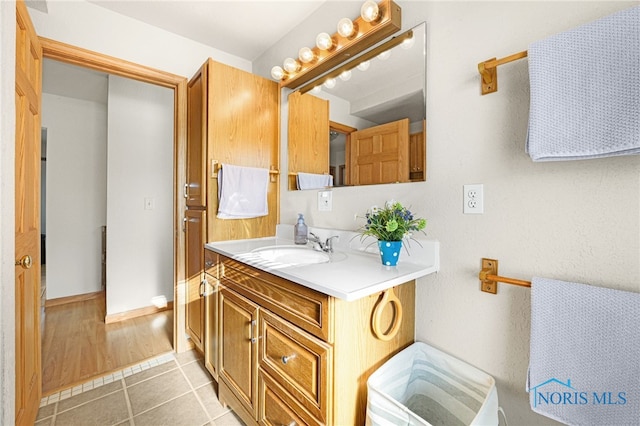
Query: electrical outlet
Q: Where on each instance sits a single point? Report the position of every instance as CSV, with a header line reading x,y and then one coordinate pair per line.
x,y
473,199
325,201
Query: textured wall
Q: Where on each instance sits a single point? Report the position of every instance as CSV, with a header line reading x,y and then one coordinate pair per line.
x,y
572,220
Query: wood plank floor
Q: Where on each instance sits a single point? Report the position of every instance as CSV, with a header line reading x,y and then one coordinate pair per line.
x,y
78,346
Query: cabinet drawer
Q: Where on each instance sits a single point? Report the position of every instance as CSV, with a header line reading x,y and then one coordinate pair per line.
x,y
211,260
297,361
278,408
306,308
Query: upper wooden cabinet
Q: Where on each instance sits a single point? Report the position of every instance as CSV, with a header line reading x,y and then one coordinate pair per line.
x,y
380,154
243,129
195,188
233,118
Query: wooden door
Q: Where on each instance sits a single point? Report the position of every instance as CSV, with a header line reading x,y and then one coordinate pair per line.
x,y
195,188
27,211
244,130
194,311
308,135
239,354
380,154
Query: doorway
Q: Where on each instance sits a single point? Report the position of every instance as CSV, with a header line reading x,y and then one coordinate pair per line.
x,y
339,146
110,151
117,67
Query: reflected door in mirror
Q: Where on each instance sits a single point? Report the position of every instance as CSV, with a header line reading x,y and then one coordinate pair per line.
x,y
380,154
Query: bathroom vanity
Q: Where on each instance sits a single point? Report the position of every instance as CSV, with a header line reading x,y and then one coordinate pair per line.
x,y
292,336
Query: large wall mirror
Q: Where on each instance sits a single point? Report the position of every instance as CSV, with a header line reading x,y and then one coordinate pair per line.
x,y
365,126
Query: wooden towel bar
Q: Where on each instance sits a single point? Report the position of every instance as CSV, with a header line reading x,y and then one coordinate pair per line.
x,y
489,277
489,71
216,166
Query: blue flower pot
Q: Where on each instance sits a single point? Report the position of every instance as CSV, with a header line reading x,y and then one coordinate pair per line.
x,y
389,252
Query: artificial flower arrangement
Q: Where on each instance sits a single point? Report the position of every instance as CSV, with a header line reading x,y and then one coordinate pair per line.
x,y
394,222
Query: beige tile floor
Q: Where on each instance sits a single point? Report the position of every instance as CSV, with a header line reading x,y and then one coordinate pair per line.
x,y
178,391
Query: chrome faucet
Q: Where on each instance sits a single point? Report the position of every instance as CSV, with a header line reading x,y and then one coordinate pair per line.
x,y
318,245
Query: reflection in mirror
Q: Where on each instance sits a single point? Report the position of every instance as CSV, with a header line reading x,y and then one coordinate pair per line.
x,y
372,120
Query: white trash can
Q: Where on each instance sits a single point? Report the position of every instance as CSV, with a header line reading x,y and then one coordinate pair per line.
x,y
424,386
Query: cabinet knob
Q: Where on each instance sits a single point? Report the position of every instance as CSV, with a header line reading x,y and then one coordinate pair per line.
x,y
286,359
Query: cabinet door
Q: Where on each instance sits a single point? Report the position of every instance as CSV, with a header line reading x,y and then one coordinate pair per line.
x,y
243,130
195,190
380,154
211,312
194,310
238,357
211,341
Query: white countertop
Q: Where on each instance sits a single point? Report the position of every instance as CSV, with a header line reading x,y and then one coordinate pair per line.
x,y
354,271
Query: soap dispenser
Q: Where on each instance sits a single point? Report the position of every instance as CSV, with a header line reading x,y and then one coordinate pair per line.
x,y
300,231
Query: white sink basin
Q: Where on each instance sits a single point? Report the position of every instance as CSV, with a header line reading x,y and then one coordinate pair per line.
x,y
292,255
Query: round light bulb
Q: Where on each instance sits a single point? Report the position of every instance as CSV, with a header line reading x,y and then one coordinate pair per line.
x,y
305,55
277,73
369,11
330,83
363,66
291,65
408,43
316,90
384,55
345,27
346,75
324,41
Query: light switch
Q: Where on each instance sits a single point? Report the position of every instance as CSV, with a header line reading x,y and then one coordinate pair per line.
x,y
325,201
148,203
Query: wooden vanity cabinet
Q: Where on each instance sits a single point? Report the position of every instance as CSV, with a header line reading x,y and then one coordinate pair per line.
x,y
292,355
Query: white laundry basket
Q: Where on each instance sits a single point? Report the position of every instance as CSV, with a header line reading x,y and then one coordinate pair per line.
x,y
424,386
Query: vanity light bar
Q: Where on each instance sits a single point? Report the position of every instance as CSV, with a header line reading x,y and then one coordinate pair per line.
x,y
368,34
353,64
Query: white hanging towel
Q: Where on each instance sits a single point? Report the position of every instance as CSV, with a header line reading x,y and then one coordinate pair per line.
x,y
585,91
242,192
584,365
313,181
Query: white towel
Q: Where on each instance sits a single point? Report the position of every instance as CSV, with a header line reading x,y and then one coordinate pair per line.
x,y
242,192
585,91
313,181
584,365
